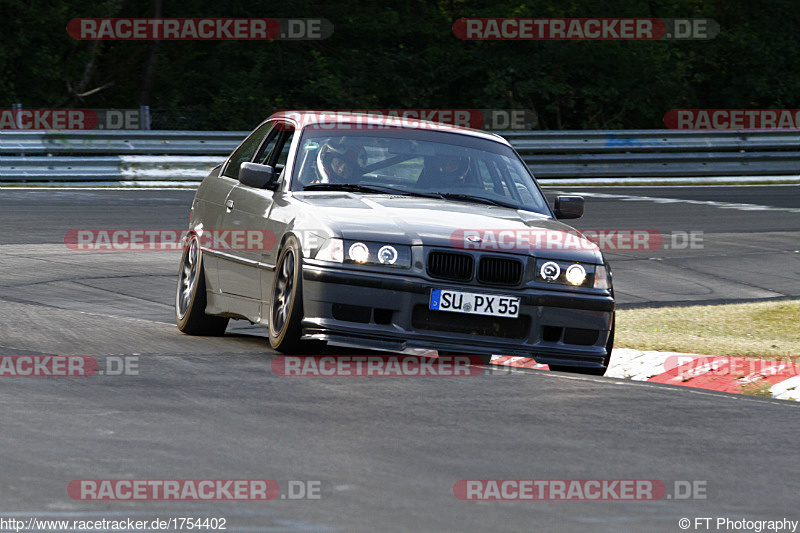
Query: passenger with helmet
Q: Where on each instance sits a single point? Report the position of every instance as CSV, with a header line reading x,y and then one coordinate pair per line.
x,y
444,172
339,164
452,169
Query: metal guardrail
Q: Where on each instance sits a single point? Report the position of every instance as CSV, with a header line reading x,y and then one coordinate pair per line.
x,y
658,153
120,142
579,141
107,168
189,155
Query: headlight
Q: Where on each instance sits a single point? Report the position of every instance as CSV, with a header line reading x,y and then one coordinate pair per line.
x,y
378,254
331,250
571,273
387,255
358,252
550,271
576,275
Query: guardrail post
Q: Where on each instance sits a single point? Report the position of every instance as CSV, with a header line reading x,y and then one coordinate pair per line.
x,y
15,109
144,117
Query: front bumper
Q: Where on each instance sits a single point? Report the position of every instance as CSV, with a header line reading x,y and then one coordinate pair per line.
x,y
389,311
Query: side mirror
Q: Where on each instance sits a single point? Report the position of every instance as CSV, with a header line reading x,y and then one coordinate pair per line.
x,y
569,207
257,176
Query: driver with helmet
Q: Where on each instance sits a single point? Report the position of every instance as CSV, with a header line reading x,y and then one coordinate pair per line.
x,y
339,164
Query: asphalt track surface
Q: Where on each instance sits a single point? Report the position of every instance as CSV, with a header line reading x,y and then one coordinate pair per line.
x,y
388,451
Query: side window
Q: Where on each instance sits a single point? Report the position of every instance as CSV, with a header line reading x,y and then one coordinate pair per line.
x,y
491,179
277,153
522,186
269,146
485,175
246,151
283,156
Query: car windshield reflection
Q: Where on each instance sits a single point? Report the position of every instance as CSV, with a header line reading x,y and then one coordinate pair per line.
x,y
416,163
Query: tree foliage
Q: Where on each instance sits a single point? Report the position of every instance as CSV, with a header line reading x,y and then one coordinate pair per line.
x,y
403,55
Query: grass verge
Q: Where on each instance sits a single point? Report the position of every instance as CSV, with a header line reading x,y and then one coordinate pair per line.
x,y
766,330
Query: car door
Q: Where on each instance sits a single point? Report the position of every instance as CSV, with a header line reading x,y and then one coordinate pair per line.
x,y
247,218
282,213
209,210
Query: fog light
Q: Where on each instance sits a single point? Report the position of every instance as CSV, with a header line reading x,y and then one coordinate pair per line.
x,y
359,252
387,255
576,274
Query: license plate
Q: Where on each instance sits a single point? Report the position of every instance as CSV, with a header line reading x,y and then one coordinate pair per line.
x,y
474,303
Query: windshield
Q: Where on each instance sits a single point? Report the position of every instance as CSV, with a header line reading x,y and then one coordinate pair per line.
x,y
414,162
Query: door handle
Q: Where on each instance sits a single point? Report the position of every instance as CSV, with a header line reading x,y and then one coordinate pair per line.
x,y
229,205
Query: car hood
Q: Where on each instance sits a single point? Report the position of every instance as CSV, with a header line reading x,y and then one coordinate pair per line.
x,y
447,223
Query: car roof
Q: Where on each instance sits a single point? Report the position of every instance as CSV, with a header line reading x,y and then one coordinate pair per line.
x,y
305,118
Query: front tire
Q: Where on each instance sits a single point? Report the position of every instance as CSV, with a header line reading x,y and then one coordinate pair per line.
x,y
190,296
286,304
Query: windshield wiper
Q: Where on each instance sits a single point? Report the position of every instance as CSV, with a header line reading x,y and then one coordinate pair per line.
x,y
384,189
477,199
354,187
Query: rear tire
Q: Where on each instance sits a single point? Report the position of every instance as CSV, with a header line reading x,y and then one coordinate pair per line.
x,y
190,296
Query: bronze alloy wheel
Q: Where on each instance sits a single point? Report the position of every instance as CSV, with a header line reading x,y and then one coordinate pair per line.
x,y
190,296
286,305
